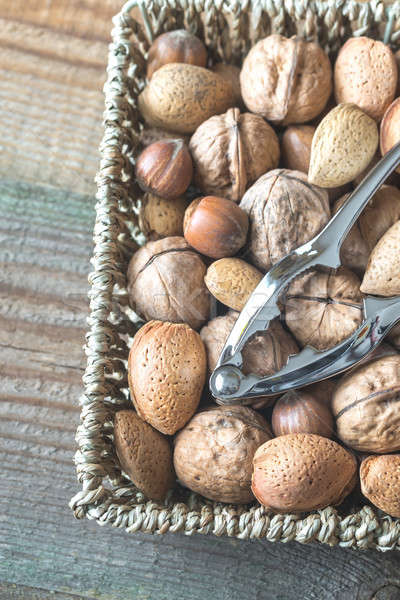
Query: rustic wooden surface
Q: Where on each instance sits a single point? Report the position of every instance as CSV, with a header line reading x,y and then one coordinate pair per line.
x,y
52,69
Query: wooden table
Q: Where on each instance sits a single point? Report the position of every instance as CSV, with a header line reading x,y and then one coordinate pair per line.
x,y
52,62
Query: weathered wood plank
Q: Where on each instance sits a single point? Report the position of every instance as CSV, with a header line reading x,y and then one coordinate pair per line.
x,y
41,546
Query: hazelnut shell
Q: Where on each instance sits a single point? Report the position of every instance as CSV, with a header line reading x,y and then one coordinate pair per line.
x,y
213,453
166,371
144,454
215,226
178,46
298,411
302,472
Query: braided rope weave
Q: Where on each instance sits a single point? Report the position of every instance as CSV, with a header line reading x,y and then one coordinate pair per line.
x,y
229,27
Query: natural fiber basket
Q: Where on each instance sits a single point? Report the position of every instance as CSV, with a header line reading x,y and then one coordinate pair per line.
x,y
229,28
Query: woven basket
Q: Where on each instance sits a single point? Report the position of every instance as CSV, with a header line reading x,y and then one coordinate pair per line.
x,y
229,28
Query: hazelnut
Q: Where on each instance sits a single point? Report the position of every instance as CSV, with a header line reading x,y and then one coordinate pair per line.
x,y
390,128
365,74
216,227
286,80
382,211
343,145
302,472
382,276
296,147
150,135
323,308
380,482
231,281
231,151
179,97
284,211
264,354
231,74
166,282
299,412
366,406
213,453
145,455
166,373
159,217
165,168
177,46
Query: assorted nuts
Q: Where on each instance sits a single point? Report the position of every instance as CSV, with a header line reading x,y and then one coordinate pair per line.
x,y
267,177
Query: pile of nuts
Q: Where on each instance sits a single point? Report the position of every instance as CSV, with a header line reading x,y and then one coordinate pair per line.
x,y
269,152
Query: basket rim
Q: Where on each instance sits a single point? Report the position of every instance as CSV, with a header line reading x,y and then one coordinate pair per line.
x,y
363,529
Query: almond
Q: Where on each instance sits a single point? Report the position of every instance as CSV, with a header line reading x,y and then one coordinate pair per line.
x,y
166,371
390,128
231,281
343,145
382,276
180,97
380,482
301,472
144,454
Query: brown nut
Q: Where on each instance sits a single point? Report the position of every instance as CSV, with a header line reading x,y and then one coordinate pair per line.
x,y
382,211
165,168
366,406
166,372
216,227
365,74
380,482
390,128
214,452
231,281
284,211
177,46
322,390
264,354
150,135
394,336
144,454
343,145
231,151
302,472
159,217
231,74
166,282
299,412
286,80
179,97
296,147
323,308
382,276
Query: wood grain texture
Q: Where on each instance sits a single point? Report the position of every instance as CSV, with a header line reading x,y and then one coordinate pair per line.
x,y
52,59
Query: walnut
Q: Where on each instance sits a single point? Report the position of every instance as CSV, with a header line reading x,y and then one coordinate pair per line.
x,y
382,211
213,454
284,211
231,151
166,282
322,309
286,80
366,405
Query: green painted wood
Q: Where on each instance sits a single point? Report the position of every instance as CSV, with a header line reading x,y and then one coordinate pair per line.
x,y
45,236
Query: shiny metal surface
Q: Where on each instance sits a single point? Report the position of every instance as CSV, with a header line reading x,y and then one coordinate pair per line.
x,y
229,385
